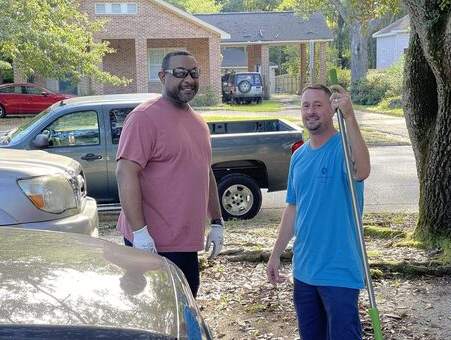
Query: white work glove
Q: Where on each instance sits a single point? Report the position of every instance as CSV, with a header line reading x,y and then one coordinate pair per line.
x,y
215,236
143,240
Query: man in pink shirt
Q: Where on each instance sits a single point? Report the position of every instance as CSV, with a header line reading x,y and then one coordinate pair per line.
x,y
166,185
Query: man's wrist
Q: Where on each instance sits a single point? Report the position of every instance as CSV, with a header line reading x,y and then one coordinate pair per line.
x,y
140,229
219,221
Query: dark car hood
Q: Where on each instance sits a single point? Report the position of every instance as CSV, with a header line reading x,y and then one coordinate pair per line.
x,y
49,278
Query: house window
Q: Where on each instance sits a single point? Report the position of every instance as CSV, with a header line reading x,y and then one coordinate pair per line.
x,y
116,8
100,8
155,57
132,8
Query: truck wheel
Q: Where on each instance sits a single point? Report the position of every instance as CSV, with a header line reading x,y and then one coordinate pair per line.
x,y
240,197
2,111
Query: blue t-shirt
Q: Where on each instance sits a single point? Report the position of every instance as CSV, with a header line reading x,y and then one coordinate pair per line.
x,y
326,250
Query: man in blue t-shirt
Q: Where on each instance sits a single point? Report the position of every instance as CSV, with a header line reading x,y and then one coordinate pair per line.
x,y
327,265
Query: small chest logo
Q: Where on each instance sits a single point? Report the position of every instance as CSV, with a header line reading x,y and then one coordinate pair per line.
x,y
324,177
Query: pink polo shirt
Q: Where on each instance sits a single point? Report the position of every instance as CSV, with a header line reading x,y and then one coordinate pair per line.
x,y
173,148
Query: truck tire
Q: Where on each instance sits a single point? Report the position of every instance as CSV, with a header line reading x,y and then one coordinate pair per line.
x,y
240,197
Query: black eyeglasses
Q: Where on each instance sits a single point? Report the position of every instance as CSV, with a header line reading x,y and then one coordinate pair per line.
x,y
180,72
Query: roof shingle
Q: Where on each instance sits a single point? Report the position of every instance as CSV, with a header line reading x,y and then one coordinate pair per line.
x,y
271,27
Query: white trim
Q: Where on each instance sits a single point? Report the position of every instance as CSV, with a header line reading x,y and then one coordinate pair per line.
x,y
224,35
394,32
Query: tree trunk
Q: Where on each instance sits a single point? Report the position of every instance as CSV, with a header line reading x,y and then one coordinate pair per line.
x,y
427,97
359,52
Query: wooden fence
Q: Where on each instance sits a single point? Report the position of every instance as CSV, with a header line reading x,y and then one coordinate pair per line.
x,y
287,84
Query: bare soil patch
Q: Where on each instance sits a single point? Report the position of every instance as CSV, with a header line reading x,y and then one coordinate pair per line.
x,y
239,303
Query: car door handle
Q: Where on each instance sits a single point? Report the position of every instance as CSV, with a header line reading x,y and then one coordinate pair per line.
x,y
91,157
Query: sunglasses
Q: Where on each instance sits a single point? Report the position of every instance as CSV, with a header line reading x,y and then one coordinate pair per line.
x,y
180,72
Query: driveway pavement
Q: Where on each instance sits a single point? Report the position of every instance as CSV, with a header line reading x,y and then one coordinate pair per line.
x,y
291,107
393,183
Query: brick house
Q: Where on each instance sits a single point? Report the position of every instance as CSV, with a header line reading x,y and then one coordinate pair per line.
x,y
143,31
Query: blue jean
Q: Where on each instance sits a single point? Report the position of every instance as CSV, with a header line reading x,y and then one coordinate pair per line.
x,y
329,313
188,263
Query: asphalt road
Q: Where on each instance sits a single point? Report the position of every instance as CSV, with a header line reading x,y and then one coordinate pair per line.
x,y
391,187
393,183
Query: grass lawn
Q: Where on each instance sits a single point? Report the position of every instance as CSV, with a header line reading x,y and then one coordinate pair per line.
x,y
378,109
265,106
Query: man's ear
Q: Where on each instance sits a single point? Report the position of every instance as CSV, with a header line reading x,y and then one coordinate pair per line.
x,y
162,76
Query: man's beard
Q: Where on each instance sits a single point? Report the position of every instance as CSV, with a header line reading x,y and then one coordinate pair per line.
x,y
181,97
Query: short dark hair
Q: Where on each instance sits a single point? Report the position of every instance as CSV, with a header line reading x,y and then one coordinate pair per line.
x,y
321,87
167,58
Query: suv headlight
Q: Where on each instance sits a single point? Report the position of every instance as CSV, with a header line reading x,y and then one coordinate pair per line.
x,y
52,193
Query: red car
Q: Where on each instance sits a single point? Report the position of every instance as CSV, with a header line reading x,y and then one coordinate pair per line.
x,y
27,99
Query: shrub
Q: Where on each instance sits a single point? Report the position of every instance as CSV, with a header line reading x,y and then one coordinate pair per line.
x,y
7,75
380,87
205,97
394,79
391,103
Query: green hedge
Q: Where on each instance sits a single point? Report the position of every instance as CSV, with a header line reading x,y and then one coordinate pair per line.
x,y
380,87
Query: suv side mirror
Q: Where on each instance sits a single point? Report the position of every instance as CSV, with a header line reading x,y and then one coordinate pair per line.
x,y
40,142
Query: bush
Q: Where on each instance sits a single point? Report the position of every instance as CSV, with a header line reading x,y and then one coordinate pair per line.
x,y
380,87
369,90
391,103
205,97
7,75
394,79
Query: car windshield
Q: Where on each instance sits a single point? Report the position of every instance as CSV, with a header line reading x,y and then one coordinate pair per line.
x,y
23,129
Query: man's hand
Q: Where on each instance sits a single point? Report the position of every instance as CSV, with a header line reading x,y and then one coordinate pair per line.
x,y
143,240
340,99
215,236
272,271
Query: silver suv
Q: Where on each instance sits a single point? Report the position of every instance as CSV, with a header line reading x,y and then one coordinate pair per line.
x,y
242,87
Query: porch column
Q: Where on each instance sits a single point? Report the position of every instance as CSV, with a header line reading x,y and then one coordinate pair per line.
x,y
214,47
265,71
142,78
302,66
322,65
254,56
